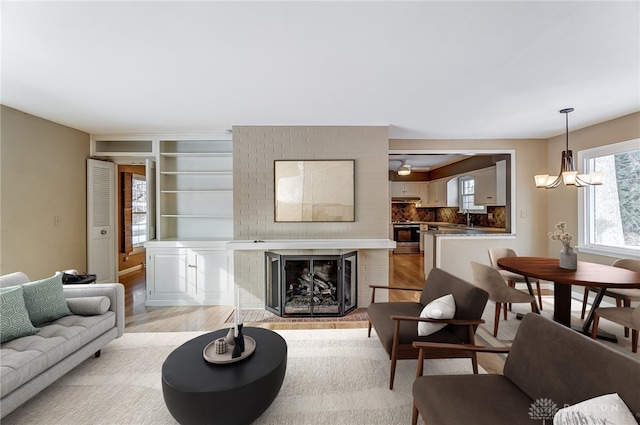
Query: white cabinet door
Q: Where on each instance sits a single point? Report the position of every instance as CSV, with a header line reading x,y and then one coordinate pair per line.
x,y
189,276
167,274
485,186
404,189
437,193
490,185
213,283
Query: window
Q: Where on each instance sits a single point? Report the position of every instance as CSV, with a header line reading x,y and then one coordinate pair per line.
x,y
609,214
138,211
467,195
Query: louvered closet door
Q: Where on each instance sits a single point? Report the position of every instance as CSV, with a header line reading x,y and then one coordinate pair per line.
x,y
101,247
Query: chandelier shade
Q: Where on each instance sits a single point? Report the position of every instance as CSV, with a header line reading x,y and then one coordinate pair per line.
x,y
568,173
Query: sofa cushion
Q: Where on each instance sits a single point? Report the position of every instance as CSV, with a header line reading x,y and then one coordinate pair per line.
x,y
463,399
25,358
89,306
440,308
45,300
14,317
606,409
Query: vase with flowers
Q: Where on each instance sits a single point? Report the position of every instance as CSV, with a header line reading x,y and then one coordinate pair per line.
x,y
568,257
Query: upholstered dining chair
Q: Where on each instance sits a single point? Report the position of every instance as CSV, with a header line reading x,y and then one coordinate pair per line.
x,y
629,317
512,278
396,323
491,280
623,297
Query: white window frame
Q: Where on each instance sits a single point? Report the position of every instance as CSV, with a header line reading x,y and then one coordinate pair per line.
x,y
140,247
585,195
479,209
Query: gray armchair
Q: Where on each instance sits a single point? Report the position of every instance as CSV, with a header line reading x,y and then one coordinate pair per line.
x,y
396,323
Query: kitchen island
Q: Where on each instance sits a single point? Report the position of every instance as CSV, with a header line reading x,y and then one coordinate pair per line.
x,y
433,235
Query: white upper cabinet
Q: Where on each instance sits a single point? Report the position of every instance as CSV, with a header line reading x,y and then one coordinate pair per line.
x,y
410,189
490,185
443,193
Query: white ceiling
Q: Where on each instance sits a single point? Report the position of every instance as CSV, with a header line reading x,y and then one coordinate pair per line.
x,y
428,69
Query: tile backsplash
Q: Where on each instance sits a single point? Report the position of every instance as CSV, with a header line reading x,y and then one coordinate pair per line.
x,y
409,212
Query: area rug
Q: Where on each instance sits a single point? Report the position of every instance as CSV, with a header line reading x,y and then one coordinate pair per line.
x,y
334,376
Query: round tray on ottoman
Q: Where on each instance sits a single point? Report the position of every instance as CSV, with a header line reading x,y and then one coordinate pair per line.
x,y
198,392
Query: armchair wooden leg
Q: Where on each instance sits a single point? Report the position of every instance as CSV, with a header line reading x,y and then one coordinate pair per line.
x,y
539,295
474,363
594,327
496,319
394,354
414,415
369,333
505,311
634,340
533,307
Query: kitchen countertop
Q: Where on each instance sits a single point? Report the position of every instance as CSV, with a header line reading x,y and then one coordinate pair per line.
x,y
461,229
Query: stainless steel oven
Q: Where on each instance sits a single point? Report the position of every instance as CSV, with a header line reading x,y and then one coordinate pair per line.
x,y
407,237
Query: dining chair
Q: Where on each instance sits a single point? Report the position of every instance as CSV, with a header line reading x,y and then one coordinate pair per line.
x,y
512,278
500,292
623,297
629,317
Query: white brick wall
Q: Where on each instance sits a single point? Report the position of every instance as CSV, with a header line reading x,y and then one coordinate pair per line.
x,y
255,148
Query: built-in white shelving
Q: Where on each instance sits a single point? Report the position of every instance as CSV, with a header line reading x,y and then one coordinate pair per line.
x,y
196,189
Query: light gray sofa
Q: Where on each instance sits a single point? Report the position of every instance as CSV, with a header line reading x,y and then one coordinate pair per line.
x,y
31,363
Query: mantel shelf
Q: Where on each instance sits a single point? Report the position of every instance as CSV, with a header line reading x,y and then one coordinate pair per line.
x,y
269,244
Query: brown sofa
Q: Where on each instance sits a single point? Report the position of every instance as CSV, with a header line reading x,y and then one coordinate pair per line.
x,y
546,362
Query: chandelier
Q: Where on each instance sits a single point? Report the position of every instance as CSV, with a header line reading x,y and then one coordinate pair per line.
x,y
568,174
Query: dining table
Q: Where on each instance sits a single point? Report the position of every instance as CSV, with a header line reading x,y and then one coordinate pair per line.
x,y
597,276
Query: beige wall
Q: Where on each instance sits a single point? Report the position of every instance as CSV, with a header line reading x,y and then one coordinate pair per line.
x,y
43,174
254,152
562,203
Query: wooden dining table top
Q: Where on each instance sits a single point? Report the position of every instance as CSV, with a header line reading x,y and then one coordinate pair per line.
x,y
587,274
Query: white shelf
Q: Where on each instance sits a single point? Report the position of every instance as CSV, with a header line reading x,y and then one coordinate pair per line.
x,y
197,154
196,215
196,184
199,191
196,173
283,244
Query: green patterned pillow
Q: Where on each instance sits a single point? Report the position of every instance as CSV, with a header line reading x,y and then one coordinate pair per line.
x,y
14,320
45,299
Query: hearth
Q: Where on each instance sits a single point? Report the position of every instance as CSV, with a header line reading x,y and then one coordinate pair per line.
x,y
311,285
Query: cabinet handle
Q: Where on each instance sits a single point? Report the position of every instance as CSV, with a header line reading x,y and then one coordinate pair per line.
x,y
192,266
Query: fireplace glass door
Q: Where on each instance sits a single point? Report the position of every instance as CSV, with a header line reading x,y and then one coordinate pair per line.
x,y
307,285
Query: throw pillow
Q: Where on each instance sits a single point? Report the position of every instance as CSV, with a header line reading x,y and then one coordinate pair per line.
x,y
45,299
440,308
14,317
608,409
89,306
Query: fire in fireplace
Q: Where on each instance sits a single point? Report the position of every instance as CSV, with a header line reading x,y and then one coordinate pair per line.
x,y
311,285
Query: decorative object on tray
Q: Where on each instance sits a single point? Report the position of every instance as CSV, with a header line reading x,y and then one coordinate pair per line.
x,y
568,257
234,346
221,346
210,355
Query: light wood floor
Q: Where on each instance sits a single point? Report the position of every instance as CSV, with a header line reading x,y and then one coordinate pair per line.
x,y
404,270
